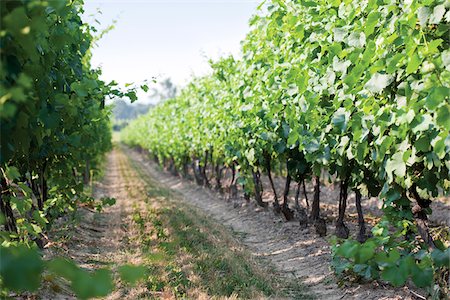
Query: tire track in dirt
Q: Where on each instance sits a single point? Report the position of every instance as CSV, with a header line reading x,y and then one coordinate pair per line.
x,y
295,253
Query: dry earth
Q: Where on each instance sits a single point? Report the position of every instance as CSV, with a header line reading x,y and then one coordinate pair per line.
x,y
100,240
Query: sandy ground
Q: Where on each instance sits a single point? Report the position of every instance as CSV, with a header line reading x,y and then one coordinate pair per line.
x,y
295,253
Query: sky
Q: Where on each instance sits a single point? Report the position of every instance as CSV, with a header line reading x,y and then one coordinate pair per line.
x,y
166,38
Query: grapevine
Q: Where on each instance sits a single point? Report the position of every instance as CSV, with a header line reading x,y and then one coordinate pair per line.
x,y
359,91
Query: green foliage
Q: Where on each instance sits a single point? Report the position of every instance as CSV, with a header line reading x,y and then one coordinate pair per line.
x,y
85,284
20,268
54,134
104,201
53,125
390,257
132,274
97,284
358,89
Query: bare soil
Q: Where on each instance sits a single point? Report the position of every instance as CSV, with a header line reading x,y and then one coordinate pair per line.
x,y
96,240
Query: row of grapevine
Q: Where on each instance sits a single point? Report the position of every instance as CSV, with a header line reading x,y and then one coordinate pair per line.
x,y
359,90
54,133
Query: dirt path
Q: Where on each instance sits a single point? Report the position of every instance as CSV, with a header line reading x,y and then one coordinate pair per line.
x,y
96,240
294,252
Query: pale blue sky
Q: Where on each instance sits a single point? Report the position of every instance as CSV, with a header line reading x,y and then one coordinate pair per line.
x,y
166,38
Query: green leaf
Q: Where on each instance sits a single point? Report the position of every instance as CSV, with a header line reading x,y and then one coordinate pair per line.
x,y
132,274
280,147
63,267
108,201
438,14
340,119
312,146
20,268
392,195
388,259
348,249
79,89
50,119
423,143
90,84
372,20
393,62
39,217
394,276
23,205
354,76
25,189
443,117
302,82
406,264
378,82
441,258
309,3
132,96
437,96
98,284
250,155
413,64
16,20
12,173
293,138
439,147
366,251
423,13
34,229
360,269
422,122
422,277
433,46
396,165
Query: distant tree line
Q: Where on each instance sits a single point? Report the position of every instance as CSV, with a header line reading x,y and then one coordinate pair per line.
x,y
124,112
